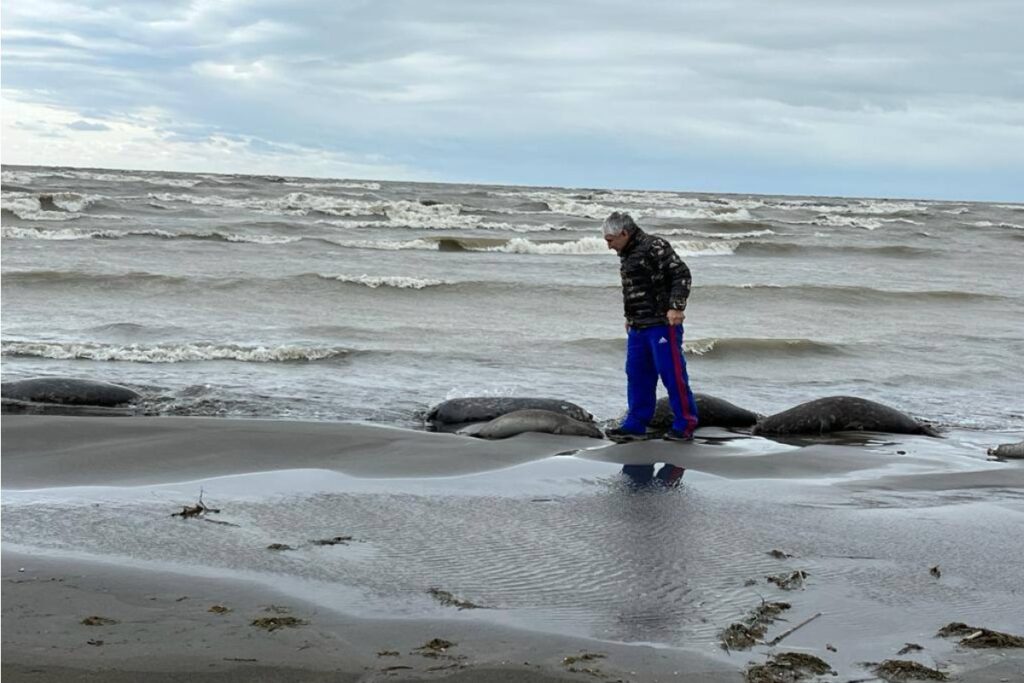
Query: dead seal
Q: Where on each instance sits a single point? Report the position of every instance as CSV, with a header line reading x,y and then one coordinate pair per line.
x,y
68,391
711,412
840,414
1008,450
459,411
534,420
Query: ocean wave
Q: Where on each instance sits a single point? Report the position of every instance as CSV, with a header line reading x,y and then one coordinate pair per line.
x,y
719,348
64,277
26,177
395,281
790,248
48,206
85,234
990,224
715,235
1011,207
845,294
173,353
757,348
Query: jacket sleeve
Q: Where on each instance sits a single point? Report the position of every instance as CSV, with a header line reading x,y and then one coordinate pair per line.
x,y
676,272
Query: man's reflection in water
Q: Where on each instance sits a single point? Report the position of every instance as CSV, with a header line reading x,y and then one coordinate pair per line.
x,y
668,476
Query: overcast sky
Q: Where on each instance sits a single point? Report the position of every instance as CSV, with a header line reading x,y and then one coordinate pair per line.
x,y
851,97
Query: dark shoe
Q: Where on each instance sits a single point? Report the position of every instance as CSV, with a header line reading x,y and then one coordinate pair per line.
x,y
620,435
676,435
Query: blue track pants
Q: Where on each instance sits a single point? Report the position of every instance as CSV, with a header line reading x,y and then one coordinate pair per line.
x,y
653,352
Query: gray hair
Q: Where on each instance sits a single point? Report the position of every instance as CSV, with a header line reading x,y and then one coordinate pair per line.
x,y
617,222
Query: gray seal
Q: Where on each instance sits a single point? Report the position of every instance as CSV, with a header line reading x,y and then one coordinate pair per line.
x,y
459,411
533,420
1008,450
68,391
841,414
711,412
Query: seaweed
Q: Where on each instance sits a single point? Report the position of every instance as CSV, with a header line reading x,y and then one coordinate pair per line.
x,y
906,670
978,637
789,582
449,600
335,540
98,621
274,623
787,667
743,636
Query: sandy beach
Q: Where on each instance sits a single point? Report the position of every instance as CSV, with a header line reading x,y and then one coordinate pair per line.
x,y
374,526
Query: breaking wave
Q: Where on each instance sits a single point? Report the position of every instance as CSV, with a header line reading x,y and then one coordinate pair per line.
x,y
395,281
173,353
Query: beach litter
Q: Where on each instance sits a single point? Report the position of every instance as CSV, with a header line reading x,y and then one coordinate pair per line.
x,y
788,667
274,623
199,511
898,670
978,637
98,621
449,600
935,571
789,582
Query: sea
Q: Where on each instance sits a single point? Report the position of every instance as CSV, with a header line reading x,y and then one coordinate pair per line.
x,y
368,300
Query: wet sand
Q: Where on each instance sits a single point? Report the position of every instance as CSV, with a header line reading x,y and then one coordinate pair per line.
x,y
566,555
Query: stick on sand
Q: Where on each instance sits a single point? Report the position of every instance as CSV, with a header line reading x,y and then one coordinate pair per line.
x,y
778,639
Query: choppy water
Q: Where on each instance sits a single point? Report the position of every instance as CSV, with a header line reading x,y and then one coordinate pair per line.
x,y
337,299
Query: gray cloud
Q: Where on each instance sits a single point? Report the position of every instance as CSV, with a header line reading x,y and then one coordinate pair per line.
x,y
86,126
789,84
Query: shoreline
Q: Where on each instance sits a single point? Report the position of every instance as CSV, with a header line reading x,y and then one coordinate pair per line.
x,y
165,632
567,556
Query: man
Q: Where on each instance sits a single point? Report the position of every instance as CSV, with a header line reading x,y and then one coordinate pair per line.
x,y
655,286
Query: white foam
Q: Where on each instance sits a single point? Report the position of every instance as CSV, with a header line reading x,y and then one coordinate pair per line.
x,y
521,245
84,234
389,245
990,224
397,281
716,235
170,353
1011,207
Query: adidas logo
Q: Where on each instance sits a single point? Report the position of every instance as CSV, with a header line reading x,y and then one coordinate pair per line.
x,y
663,341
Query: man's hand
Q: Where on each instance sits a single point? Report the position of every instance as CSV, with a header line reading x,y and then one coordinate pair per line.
x,y
675,317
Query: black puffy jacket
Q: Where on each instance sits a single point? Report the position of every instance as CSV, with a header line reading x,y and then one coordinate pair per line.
x,y
654,280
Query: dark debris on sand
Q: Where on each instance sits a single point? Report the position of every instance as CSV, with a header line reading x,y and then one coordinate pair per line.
x,y
898,670
335,540
449,600
98,621
788,667
975,636
789,582
909,647
746,634
274,623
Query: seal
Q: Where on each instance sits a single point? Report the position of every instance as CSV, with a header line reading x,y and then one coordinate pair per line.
x,y
841,414
534,420
1008,450
456,412
711,412
68,391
